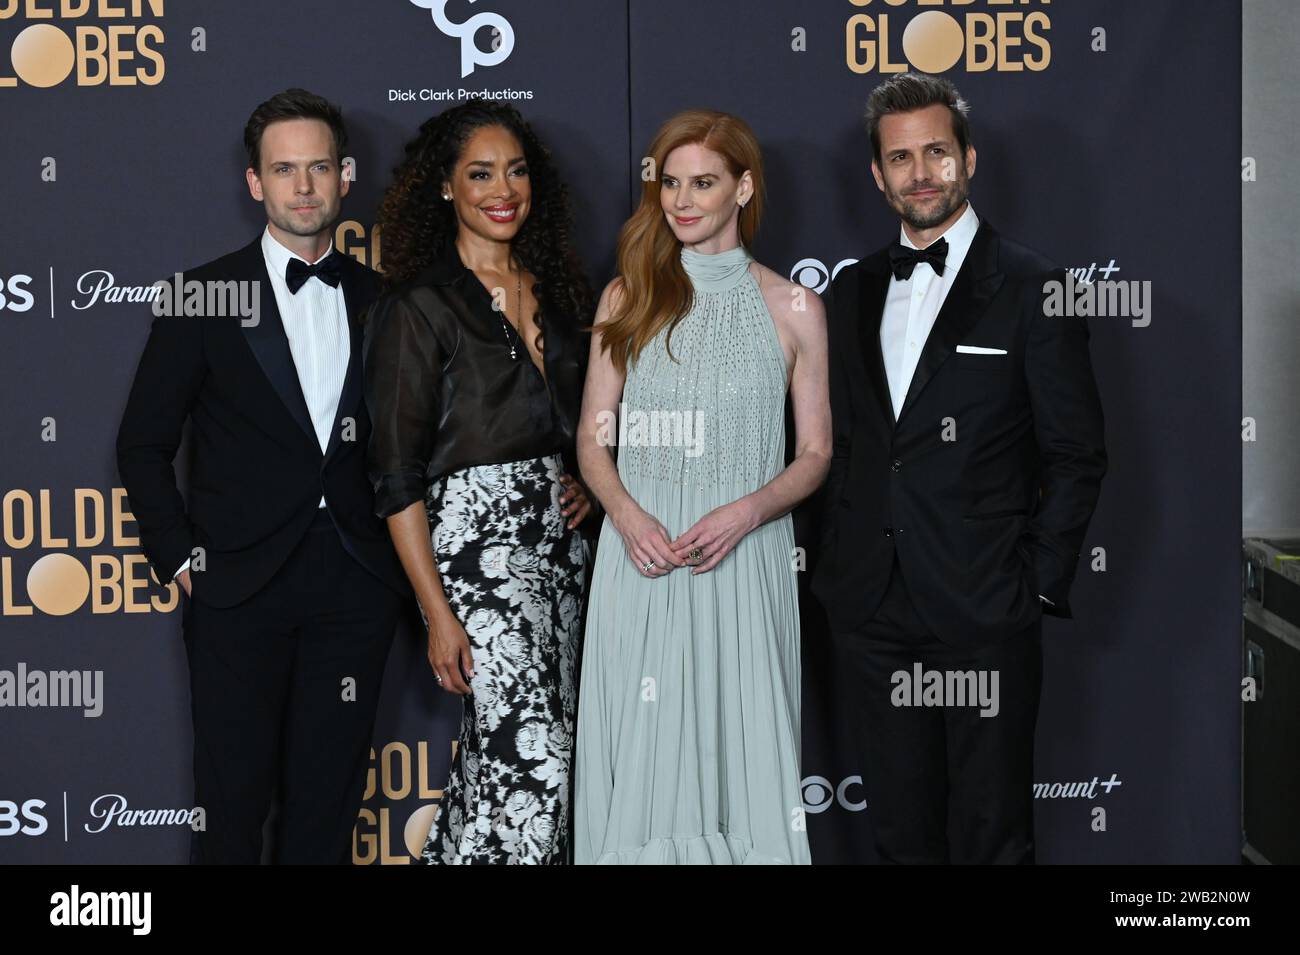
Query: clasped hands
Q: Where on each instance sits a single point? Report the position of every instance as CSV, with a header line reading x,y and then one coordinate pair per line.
x,y
701,547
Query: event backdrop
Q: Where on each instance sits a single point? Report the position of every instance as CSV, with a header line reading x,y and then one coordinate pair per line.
x,y
1108,135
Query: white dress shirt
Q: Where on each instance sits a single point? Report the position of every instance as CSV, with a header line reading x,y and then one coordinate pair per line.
x,y
912,305
316,323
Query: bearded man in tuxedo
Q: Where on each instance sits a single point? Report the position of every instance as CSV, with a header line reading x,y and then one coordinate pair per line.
x,y
968,458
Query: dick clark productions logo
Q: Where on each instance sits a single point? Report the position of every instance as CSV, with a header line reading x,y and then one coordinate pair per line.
x,y
471,55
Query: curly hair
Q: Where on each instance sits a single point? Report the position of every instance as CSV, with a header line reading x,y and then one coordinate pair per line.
x,y
417,225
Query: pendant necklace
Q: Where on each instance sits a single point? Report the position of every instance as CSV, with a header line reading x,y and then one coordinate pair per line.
x,y
505,326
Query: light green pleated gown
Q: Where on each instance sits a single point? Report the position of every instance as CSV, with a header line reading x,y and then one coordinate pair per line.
x,y
688,714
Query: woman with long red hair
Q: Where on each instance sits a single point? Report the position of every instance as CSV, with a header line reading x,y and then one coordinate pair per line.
x,y
688,715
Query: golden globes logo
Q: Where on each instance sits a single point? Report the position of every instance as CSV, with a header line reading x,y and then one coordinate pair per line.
x,y
352,238
396,774
935,40
47,576
52,45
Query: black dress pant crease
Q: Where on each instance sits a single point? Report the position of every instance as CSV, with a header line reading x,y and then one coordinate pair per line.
x,y
944,784
284,688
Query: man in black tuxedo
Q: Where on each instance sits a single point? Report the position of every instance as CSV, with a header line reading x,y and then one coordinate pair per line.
x,y
292,584
968,457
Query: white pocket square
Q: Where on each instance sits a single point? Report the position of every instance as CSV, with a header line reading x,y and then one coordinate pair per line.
x,y
980,350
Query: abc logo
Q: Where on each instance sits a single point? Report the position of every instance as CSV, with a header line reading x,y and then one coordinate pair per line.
x,y
14,295
11,812
503,41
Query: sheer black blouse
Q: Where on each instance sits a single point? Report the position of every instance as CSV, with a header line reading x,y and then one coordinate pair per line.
x,y
443,392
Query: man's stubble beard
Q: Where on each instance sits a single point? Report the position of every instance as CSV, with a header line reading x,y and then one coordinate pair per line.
x,y
287,222
953,195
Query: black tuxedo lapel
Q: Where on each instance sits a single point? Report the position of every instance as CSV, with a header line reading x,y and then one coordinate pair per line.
x,y
351,393
871,304
270,344
977,282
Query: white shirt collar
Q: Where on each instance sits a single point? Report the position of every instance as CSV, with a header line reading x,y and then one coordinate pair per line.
x,y
277,256
959,235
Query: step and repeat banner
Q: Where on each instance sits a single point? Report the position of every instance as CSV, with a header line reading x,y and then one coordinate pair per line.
x,y
1108,135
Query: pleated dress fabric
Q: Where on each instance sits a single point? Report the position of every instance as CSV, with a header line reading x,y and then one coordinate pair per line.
x,y
687,746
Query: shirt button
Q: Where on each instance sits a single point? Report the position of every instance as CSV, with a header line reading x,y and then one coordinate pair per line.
x,y
889,532
897,464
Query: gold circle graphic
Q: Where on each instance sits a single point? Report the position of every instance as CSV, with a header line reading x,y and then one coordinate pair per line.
x,y
43,55
58,584
417,828
933,42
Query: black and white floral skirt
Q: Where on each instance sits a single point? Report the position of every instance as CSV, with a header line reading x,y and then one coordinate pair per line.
x,y
514,575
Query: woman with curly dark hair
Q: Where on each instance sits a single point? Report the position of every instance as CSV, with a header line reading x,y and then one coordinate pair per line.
x,y
474,371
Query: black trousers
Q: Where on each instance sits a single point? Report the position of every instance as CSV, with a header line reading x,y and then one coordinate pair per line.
x,y
943,783
284,689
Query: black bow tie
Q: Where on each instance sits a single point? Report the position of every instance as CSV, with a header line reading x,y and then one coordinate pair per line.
x,y
903,259
329,270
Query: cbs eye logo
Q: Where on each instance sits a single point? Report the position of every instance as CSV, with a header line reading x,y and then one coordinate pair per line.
x,y
503,35
11,812
813,274
15,295
819,793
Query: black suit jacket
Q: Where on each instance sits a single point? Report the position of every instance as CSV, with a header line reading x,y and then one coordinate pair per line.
x,y
986,482
257,473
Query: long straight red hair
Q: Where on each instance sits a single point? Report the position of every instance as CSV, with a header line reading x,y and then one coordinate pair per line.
x,y
654,290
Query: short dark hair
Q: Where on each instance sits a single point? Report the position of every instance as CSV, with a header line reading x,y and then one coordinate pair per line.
x,y
292,104
911,91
